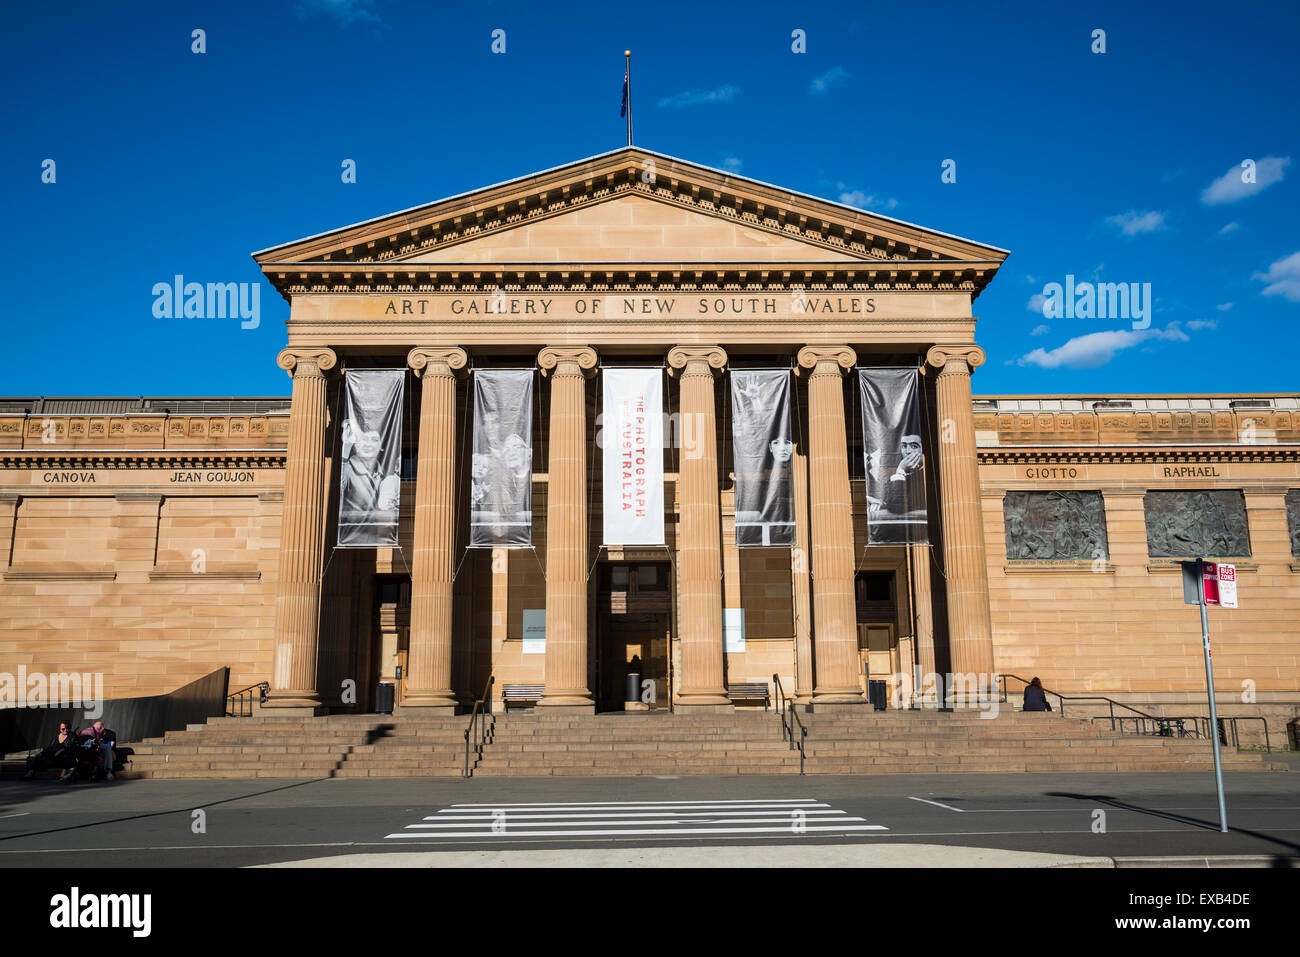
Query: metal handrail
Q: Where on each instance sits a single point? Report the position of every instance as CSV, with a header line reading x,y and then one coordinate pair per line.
x,y
1064,698
785,706
243,699
1176,726
480,726
1141,720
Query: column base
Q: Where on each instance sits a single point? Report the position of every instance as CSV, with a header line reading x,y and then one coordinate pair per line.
x,y
441,701
432,709
565,706
294,704
704,704
838,701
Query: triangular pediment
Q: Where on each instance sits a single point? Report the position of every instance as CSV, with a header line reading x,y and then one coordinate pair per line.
x,y
630,228
631,207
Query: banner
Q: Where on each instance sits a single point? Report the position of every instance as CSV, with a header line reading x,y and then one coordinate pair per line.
x,y
501,468
762,449
895,462
633,456
371,475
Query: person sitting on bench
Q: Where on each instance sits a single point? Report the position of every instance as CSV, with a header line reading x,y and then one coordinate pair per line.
x,y
58,754
106,740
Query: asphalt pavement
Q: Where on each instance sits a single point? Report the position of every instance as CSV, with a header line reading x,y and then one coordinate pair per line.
x,y
922,820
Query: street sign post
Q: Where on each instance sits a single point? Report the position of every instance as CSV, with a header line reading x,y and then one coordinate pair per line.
x,y
1203,585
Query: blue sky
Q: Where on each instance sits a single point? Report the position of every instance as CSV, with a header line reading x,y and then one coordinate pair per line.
x,y
1123,166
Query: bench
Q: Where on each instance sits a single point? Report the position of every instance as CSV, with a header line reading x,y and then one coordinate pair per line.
x,y
750,691
517,693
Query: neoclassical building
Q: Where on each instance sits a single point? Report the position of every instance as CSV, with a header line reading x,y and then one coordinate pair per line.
x,y
158,539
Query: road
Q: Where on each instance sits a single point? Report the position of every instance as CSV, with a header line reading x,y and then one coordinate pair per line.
x,y
931,819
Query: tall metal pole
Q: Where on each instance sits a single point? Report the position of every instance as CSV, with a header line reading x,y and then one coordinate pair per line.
x,y
627,58
1209,683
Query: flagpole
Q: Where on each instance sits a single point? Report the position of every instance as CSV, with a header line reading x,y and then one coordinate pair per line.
x,y
627,58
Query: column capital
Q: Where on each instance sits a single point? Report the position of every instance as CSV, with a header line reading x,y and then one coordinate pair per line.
x,y
821,358
307,361
940,356
696,359
570,360
434,358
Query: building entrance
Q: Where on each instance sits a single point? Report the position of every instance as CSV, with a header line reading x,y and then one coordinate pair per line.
x,y
634,630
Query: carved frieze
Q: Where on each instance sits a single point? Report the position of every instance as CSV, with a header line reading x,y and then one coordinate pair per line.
x,y
1055,525
1196,523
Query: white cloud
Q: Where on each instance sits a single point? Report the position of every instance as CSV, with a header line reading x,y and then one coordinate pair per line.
x,y
1223,306
831,78
1096,348
1229,187
862,199
347,11
723,94
1036,302
733,164
1283,278
1134,223
1232,227
1040,330
1031,280
1197,324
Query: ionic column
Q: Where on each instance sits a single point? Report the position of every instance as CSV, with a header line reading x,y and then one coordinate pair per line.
x,y
835,617
302,533
801,583
566,529
923,620
699,541
428,662
970,632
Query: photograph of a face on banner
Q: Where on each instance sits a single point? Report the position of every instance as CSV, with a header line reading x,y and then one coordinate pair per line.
x,y
894,457
762,450
370,482
501,468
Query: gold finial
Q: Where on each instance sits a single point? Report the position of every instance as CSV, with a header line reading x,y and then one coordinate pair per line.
x,y
627,53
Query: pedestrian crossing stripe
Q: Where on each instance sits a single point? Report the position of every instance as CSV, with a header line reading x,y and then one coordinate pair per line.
x,y
634,819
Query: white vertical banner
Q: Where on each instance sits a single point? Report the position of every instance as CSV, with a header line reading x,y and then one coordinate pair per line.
x,y
632,426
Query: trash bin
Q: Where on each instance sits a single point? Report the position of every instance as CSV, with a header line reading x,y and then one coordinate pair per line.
x,y
385,694
877,694
633,687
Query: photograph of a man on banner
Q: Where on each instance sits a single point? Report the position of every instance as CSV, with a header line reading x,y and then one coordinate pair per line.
x,y
501,465
894,457
762,453
370,483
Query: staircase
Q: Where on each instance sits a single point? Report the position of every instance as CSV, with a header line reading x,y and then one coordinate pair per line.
x,y
336,746
534,743
929,742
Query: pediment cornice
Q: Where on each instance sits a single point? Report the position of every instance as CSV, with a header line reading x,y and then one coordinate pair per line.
x,y
819,224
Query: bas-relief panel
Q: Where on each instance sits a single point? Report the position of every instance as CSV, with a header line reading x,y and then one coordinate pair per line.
x,y
1057,525
1200,523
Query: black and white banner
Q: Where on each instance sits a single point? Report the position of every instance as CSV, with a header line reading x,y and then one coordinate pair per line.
x,y
895,463
633,457
501,469
371,475
762,449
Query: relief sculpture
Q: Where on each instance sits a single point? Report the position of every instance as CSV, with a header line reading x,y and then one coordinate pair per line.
x,y
1196,524
1293,520
1055,526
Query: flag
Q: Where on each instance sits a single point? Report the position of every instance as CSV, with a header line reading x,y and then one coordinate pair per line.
x,y
623,109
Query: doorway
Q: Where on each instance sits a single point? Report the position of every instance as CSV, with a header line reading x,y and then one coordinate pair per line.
x,y
634,631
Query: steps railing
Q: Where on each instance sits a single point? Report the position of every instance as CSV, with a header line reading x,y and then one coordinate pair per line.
x,y
790,720
240,704
482,723
1165,727
1177,726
